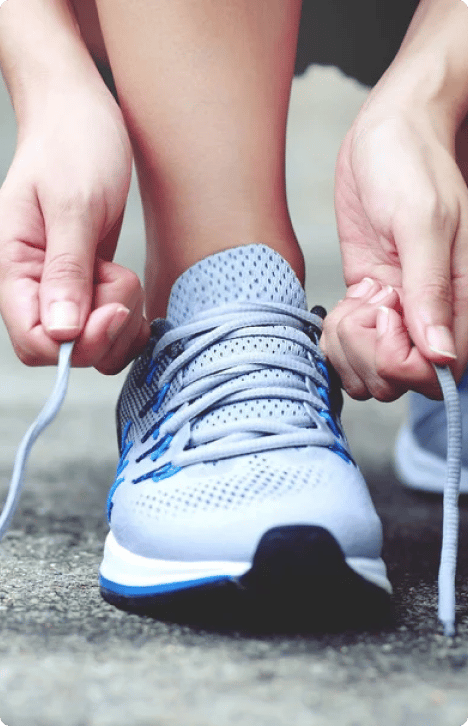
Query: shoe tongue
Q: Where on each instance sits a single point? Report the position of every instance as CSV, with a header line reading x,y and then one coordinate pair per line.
x,y
254,273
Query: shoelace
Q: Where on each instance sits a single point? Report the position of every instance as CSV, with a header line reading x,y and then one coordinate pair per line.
x,y
227,380
450,525
449,549
45,417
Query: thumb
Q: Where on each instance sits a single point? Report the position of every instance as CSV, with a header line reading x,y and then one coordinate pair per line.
x,y
66,286
427,294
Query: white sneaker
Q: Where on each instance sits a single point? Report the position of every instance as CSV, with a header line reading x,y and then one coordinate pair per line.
x,y
237,500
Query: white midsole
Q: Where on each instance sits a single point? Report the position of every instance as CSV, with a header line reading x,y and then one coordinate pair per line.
x,y
125,568
122,567
417,468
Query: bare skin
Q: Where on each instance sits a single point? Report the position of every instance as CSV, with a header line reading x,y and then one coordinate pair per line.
x,y
61,206
204,90
205,95
90,28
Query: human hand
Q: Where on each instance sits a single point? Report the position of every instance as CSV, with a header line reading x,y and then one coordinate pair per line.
x,y
370,346
402,213
61,210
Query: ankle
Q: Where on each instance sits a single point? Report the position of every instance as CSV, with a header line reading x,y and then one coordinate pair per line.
x,y
162,269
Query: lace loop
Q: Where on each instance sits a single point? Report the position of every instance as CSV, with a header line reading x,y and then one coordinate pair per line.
x,y
298,376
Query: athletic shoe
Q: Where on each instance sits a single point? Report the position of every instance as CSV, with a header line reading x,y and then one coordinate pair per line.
x,y
421,446
237,502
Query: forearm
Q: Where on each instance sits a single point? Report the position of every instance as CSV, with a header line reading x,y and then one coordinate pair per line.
x,y
41,49
431,67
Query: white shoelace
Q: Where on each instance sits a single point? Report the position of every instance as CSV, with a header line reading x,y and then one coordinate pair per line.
x,y
449,549
46,416
226,380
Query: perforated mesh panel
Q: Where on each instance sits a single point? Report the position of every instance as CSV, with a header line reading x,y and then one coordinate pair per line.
x,y
250,273
253,272
252,482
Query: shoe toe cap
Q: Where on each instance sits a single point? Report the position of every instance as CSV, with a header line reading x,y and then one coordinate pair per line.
x,y
220,511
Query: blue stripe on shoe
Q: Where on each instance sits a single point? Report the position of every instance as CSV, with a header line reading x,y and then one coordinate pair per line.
x,y
139,591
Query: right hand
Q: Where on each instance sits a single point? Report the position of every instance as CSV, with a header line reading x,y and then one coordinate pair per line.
x,y
402,211
61,211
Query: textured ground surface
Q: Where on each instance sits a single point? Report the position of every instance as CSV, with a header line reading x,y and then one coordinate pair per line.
x,y
69,659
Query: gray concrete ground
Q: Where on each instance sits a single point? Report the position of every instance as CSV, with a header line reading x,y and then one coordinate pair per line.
x,y
69,659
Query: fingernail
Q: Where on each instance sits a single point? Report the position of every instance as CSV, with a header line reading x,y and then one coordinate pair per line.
x,y
440,340
118,321
64,315
381,324
382,294
363,288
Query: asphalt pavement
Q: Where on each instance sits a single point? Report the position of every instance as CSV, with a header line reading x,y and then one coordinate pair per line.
x,y
68,658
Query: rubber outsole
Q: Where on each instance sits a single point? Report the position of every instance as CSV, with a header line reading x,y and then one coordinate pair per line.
x,y
299,582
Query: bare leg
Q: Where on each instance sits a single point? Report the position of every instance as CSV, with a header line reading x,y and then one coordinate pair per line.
x,y
204,87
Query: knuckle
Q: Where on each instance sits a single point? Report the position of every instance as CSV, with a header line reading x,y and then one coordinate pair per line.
x,y
127,287
433,282
436,288
382,391
132,283
346,329
65,266
109,367
131,277
354,387
442,217
26,356
434,212
77,203
356,391
383,367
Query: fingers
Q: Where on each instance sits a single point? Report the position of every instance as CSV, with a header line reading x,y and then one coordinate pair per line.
x,y
20,311
116,329
21,265
367,342
114,333
67,279
425,244
398,363
343,336
460,296
95,302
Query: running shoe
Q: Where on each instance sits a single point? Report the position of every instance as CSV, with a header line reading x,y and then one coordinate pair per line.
x,y
421,446
237,502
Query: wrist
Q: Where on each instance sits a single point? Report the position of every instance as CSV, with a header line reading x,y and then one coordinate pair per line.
x,y
42,53
429,75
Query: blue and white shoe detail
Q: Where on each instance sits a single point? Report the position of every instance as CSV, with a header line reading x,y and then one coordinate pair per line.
x,y
236,490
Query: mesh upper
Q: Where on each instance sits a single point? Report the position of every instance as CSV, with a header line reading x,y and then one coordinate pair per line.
x,y
219,508
227,276
219,279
